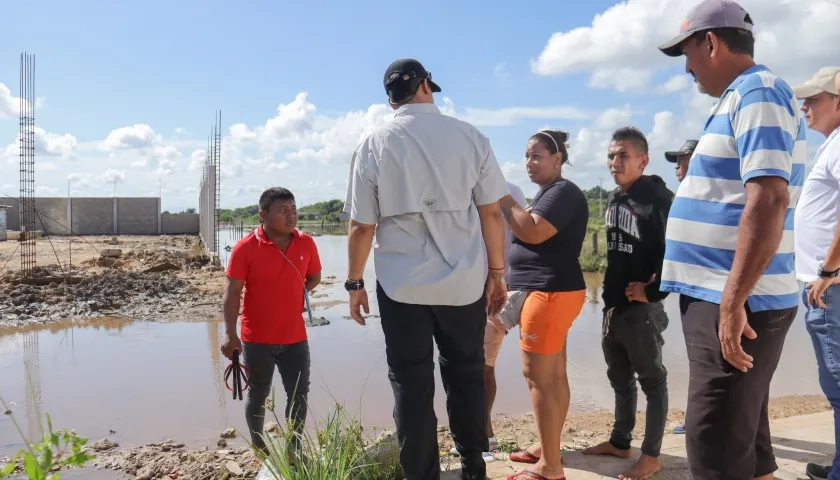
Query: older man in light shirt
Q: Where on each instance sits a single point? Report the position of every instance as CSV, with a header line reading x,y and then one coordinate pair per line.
x,y
817,243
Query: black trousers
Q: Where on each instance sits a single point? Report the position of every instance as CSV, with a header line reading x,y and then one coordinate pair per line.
x,y
726,422
632,346
459,333
293,363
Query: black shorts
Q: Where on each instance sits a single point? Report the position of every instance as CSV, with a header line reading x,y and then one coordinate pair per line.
x,y
727,425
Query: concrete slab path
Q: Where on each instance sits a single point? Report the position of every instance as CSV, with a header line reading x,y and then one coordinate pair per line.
x,y
796,440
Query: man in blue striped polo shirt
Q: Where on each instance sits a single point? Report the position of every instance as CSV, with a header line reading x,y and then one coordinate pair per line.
x,y
729,243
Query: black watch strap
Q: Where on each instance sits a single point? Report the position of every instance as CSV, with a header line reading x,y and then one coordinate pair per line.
x,y
353,285
828,273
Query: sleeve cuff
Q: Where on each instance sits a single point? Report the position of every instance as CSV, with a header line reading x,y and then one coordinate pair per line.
x,y
765,172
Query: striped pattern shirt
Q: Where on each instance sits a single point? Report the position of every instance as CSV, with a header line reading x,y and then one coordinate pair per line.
x,y
754,130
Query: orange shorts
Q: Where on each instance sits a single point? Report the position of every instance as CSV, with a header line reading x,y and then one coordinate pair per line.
x,y
546,319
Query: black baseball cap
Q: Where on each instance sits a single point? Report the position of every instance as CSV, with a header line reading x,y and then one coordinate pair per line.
x,y
403,77
687,149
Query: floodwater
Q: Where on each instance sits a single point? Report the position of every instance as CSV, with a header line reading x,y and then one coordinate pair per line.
x,y
147,381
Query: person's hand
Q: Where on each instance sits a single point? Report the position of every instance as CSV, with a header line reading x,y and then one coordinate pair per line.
x,y
733,324
818,287
635,291
359,301
230,344
495,291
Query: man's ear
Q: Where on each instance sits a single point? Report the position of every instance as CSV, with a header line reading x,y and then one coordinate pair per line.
x,y
714,44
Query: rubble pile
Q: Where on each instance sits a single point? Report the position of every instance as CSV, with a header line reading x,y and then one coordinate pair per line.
x,y
53,294
171,460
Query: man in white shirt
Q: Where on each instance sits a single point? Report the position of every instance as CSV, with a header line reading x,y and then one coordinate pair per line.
x,y
429,186
817,243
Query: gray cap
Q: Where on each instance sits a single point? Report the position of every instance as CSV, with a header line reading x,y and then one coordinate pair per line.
x,y
707,15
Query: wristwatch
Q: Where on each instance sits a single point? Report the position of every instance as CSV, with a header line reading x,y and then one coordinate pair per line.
x,y
823,273
353,285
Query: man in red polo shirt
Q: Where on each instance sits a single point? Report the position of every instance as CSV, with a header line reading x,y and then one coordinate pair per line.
x,y
274,264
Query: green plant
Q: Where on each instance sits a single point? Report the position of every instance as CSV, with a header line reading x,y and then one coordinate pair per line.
x,y
56,450
337,449
508,446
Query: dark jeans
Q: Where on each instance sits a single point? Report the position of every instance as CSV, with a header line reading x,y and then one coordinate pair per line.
x,y
293,363
632,346
823,324
409,332
726,422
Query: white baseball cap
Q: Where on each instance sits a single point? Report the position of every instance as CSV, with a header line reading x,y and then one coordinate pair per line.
x,y
822,81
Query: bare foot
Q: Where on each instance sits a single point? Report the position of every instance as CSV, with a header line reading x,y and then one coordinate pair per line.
x,y
606,448
542,469
644,468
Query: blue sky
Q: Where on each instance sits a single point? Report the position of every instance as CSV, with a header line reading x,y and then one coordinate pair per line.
x,y
129,90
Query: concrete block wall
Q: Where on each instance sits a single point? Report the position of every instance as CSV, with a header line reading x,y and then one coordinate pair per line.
x,y
138,216
103,216
179,223
92,215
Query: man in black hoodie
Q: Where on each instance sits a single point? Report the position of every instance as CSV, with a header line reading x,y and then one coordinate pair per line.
x,y
634,317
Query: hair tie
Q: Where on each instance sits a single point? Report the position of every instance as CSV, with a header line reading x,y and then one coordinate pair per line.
x,y
556,146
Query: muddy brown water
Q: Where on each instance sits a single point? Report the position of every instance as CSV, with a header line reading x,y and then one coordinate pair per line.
x,y
150,381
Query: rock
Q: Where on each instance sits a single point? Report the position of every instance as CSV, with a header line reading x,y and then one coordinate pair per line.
x,y
163,266
233,468
316,322
228,433
110,252
221,443
385,451
104,444
272,427
145,473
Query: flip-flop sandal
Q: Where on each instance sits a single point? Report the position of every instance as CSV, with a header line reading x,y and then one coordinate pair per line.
x,y
523,456
531,475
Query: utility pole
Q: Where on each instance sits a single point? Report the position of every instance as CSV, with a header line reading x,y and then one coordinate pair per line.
x,y
600,197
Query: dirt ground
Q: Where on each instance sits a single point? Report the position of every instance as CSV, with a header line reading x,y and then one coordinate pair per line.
x,y
588,428
160,278
228,462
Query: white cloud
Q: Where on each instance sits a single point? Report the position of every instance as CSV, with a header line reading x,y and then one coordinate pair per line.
x,y
794,37
276,166
502,117
675,84
45,191
137,136
10,105
46,143
112,176
621,79
613,118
